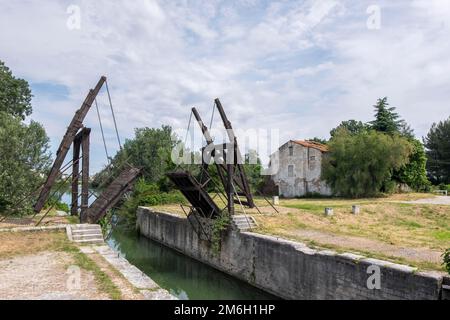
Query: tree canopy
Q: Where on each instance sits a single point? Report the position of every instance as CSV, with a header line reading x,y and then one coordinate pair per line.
x,y
352,126
24,155
150,149
24,158
362,164
15,94
437,143
388,121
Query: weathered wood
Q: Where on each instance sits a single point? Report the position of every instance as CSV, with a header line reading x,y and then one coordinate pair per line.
x,y
195,194
75,177
239,168
112,194
72,130
85,142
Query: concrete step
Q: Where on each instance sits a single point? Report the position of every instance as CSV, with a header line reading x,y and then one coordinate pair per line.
x,y
244,222
86,231
85,227
87,236
93,241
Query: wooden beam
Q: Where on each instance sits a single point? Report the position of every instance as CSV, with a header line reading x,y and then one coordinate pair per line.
x,y
85,142
72,130
75,177
238,156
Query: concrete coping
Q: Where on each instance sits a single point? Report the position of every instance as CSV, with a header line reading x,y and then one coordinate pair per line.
x,y
34,229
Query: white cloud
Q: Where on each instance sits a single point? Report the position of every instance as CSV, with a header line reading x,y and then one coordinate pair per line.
x,y
300,66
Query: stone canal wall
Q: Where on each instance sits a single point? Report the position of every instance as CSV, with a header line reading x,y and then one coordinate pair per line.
x,y
291,270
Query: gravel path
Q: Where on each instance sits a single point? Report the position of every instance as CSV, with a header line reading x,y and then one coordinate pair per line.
x,y
441,200
45,276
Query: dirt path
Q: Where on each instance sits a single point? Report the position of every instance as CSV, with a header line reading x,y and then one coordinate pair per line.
x,y
46,276
441,200
368,245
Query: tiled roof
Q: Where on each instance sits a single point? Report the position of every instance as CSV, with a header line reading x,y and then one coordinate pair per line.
x,y
312,144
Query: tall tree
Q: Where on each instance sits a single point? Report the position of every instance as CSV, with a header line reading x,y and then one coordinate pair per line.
x,y
437,143
24,158
15,94
386,119
362,164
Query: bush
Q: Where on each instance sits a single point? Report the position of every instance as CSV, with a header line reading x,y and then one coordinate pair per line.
x,y
146,194
58,205
444,186
446,258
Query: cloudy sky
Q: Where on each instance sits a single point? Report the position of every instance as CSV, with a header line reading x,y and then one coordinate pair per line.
x,y
297,66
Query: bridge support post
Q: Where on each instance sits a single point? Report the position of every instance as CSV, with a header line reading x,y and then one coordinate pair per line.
x,y
75,176
85,141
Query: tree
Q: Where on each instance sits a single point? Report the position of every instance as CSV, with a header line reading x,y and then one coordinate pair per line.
x,y
386,119
437,143
24,159
318,140
150,150
15,94
414,173
352,126
253,168
362,164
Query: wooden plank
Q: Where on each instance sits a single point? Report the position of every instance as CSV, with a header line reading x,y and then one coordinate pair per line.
x,y
72,130
112,194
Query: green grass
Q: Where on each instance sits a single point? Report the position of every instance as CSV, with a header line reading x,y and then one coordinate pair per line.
x,y
408,224
442,235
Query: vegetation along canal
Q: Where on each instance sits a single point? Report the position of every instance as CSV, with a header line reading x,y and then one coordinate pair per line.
x,y
182,276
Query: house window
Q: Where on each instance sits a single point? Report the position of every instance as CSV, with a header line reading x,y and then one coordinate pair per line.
x,y
290,171
312,158
291,151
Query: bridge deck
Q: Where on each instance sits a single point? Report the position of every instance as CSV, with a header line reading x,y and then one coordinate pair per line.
x,y
112,194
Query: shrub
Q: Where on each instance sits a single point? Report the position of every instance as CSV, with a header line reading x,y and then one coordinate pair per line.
x,y
146,194
446,258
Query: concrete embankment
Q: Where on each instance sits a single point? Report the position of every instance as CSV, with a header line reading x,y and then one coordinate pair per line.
x,y
292,270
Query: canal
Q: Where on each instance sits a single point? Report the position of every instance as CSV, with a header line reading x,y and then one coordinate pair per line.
x,y
184,277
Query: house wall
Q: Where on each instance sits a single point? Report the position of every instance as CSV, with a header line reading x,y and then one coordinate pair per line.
x,y
307,164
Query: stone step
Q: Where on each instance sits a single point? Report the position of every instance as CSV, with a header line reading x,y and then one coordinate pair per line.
x,y
244,222
87,236
98,240
85,227
86,231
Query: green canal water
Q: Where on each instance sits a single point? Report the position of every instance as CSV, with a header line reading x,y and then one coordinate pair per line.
x,y
182,276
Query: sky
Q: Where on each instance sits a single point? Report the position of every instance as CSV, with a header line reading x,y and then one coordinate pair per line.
x,y
299,67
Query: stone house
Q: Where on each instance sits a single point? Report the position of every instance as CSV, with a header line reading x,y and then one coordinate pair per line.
x,y
296,169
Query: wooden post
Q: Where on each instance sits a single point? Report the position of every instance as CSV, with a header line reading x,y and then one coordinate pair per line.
x,y
230,192
85,175
74,127
75,176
